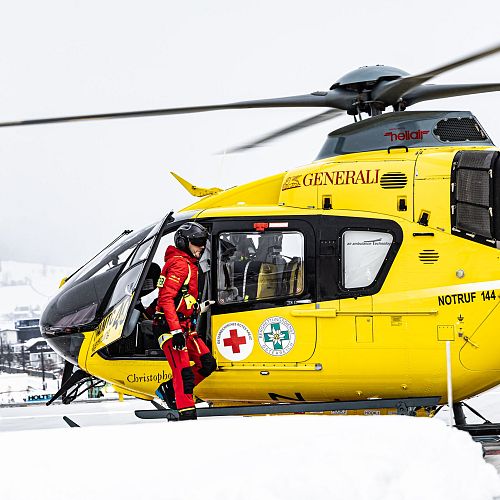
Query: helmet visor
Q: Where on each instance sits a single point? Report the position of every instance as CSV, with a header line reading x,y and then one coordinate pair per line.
x,y
198,241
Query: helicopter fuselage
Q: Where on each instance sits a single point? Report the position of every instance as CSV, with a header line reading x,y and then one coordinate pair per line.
x,y
341,280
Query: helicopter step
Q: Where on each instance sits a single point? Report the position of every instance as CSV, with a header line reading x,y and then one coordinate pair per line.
x,y
407,406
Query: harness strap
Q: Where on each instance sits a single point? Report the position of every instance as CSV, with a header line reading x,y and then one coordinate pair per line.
x,y
189,300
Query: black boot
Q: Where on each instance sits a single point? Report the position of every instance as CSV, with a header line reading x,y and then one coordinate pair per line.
x,y
166,393
189,414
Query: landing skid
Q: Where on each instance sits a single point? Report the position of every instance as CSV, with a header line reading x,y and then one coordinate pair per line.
x,y
70,422
406,406
74,384
485,430
480,430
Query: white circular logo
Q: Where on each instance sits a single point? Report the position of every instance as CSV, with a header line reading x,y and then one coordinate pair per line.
x,y
234,341
276,336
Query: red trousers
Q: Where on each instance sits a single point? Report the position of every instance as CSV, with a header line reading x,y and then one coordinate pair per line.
x,y
185,377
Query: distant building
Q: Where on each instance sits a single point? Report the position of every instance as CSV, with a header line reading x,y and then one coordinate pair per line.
x,y
27,329
8,336
35,347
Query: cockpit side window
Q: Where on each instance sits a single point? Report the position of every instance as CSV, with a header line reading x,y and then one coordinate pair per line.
x,y
125,286
363,254
259,265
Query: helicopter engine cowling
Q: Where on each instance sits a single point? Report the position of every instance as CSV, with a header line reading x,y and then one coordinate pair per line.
x,y
409,129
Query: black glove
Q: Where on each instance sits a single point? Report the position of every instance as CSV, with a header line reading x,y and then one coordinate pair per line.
x,y
178,340
159,324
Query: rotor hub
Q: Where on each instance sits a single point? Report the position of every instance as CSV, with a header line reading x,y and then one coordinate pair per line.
x,y
366,77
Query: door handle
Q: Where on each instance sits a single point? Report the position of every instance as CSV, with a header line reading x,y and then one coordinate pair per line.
x,y
315,313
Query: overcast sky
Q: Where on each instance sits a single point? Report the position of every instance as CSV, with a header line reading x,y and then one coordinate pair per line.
x,y
66,190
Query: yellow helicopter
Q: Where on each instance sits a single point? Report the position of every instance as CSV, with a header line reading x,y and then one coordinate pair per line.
x,y
335,286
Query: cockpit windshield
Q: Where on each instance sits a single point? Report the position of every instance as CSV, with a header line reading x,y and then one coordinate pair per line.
x,y
103,282
113,255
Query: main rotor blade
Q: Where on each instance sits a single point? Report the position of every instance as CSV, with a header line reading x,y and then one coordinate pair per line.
x,y
332,99
428,92
308,122
390,92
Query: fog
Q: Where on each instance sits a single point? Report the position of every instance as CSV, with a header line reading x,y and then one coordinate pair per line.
x,y
66,190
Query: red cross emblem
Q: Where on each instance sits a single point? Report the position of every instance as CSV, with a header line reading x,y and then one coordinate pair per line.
x,y
234,341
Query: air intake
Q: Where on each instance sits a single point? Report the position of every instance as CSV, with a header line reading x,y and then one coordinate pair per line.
x,y
393,180
475,196
428,256
459,129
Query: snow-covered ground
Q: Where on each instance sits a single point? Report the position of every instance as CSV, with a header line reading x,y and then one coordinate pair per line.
x,y
285,457
42,277
274,457
15,387
25,289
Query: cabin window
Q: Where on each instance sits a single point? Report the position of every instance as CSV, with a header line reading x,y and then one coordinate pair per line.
x,y
363,253
259,265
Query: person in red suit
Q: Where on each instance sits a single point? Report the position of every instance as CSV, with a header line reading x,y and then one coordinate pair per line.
x,y
176,311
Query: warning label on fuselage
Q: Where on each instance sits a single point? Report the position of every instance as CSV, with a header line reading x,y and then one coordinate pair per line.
x,y
467,298
456,298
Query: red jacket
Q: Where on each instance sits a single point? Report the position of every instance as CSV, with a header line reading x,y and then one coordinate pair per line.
x,y
173,276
